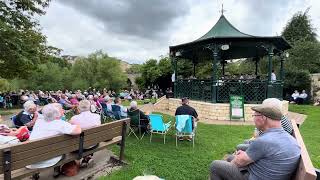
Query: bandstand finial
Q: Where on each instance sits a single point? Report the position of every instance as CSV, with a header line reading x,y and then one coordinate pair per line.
x,y
222,10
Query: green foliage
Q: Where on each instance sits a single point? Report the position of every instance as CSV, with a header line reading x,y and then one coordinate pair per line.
x,y
134,69
296,80
305,55
299,28
98,70
48,76
22,46
154,73
4,85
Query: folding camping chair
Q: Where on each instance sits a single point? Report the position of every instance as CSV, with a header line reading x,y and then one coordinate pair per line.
x,y
135,123
184,124
158,126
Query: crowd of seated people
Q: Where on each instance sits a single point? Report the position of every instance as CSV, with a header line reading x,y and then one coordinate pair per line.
x,y
47,122
69,99
43,116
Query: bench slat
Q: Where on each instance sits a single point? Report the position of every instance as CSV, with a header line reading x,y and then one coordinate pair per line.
x,y
27,153
305,169
23,159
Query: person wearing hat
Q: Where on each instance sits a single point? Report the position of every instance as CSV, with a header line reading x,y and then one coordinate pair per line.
x,y
185,109
274,154
285,123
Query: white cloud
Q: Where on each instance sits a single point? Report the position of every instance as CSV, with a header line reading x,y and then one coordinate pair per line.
x,y
78,33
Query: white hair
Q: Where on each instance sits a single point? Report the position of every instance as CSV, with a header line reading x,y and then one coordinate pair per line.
x,y
51,111
84,105
273,102
28,105
90,97
148,177
133,104
107,98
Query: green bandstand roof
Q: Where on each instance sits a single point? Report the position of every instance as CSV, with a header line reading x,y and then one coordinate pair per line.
x,y
241,45
223,28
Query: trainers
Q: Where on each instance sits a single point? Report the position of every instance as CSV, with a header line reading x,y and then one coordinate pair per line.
x,y
180,138
189,139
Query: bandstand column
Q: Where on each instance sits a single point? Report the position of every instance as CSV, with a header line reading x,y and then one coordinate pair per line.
x,y
223,66
214,74
270,55
256,63
281,67
175,86
270,85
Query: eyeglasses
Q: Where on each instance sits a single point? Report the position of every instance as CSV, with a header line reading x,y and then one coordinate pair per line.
x,y
254,115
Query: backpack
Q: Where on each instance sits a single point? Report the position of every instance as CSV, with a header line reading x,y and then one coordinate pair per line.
x,y
70,168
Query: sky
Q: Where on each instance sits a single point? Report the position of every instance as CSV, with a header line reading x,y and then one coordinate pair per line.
x,y
138,30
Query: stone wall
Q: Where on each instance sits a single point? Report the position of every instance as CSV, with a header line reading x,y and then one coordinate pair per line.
x,y
207,111
315,86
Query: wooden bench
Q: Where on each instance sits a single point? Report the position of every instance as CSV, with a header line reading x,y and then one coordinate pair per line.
x,y
14,158
305,170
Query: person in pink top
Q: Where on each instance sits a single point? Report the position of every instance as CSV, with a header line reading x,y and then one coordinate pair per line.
x,y
85,120
74,100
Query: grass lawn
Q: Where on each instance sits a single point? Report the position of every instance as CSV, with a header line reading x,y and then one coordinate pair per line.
x,y
212,142
4,112
182,162
310,130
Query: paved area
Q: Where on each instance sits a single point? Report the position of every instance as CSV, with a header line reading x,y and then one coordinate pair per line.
x,y
299,118
102,167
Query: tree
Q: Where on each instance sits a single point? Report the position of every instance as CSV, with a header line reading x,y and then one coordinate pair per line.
x,y
98,70
299,28
156,73
305,55
22,46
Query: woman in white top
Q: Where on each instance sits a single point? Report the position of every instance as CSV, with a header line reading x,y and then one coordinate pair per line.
x,y
50,125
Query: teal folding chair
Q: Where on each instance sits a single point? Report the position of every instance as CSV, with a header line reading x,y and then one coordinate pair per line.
x,y
158,126
183,126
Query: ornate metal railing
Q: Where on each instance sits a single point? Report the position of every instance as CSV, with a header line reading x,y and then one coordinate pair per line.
x,y
254,91
195,89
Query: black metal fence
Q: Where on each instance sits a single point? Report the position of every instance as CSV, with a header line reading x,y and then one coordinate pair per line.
x,y
254,91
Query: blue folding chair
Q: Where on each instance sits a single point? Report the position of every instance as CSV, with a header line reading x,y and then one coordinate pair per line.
x,y
158,126
14,120
183,126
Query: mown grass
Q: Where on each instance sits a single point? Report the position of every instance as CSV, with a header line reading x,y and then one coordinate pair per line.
x,y
5,112
182,162
212,142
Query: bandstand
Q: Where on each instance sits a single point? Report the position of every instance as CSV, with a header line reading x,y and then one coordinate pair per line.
x,y
222,43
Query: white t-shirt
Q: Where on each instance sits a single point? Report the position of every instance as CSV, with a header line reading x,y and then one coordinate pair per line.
x,y
86,120
273,77
303,95
45,129
295,95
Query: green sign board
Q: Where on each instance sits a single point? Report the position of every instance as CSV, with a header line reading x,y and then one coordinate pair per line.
x,y
236,107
